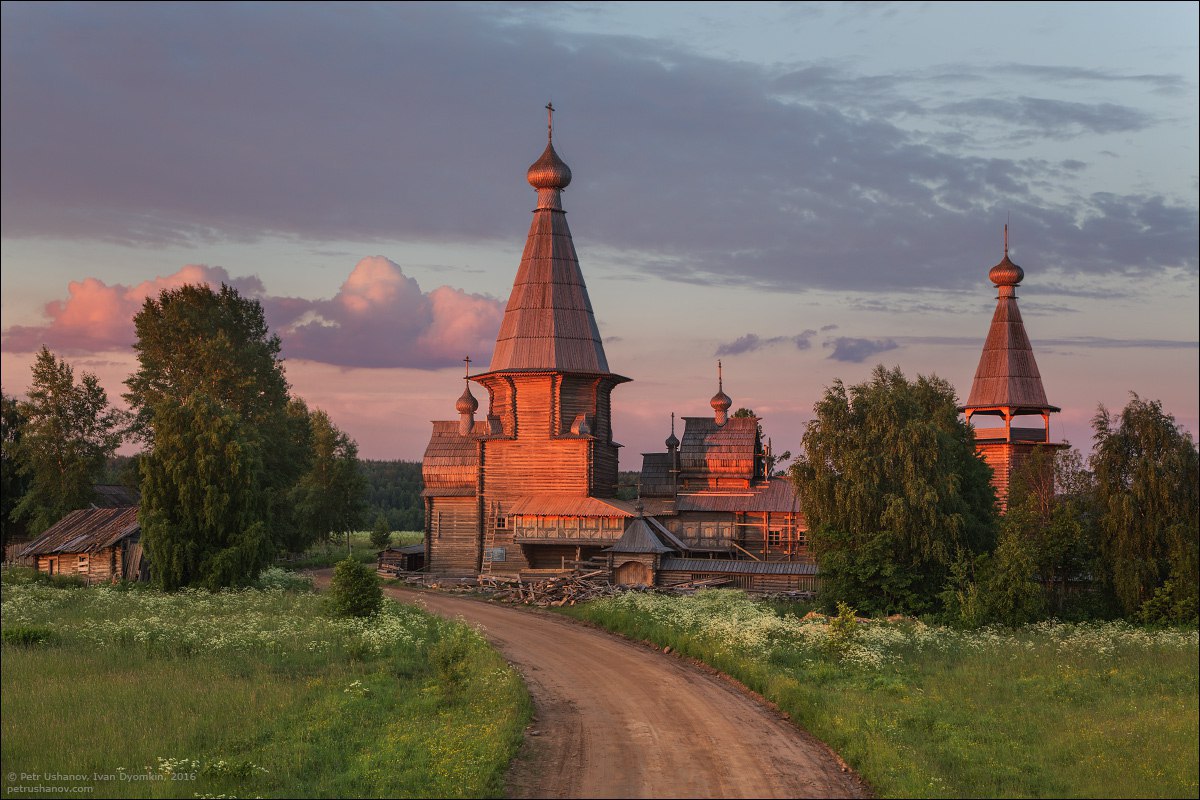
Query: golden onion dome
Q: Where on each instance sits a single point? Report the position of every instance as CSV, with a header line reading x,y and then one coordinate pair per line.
x,y
467,404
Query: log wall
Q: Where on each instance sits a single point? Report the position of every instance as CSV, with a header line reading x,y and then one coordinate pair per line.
x,y
453,537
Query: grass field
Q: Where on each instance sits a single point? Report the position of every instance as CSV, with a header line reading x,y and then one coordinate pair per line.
x,y
360,548
247,693
1051,710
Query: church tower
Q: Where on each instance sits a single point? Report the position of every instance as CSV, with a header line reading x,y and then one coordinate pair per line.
x,y
1008,385
549,385
531,484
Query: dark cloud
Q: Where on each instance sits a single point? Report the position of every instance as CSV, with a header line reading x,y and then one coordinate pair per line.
x,y
170,123
856,351
751,342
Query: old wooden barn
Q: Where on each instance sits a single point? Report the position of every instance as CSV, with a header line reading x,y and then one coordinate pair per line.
x,y
99,545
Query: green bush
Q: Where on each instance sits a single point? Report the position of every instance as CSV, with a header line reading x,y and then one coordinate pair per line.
x,y
29,636
354,590
451,659
381,534
286,580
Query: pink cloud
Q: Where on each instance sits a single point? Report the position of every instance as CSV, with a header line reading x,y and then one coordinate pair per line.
x,y
380,317
98,317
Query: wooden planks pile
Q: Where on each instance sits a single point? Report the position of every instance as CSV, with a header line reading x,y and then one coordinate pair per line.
x,y
560,590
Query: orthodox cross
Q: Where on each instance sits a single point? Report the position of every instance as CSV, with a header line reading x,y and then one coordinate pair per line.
x,y
550,121
467,361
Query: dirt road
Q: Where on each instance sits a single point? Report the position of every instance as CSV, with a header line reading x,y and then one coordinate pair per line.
x,y
618,719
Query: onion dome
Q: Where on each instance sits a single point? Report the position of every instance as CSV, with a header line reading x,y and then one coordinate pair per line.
x,y
1006,273
549,171
467,404
720,401
672,442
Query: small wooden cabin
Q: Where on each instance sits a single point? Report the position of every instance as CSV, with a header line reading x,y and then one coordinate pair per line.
x,y
100,545
395,560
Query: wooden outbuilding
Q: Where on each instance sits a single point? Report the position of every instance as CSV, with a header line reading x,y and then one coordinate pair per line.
x,y
395,560
99,545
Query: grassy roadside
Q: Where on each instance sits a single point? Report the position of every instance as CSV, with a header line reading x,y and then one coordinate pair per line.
x,y
247,693
1096,710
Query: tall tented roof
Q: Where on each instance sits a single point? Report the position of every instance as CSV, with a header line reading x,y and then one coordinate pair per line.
x,y
548,323
1007,375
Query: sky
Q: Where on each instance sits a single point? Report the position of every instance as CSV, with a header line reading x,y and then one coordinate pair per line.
x,y
801,190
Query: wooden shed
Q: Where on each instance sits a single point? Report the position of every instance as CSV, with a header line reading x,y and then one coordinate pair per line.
x,y
395,560
97,544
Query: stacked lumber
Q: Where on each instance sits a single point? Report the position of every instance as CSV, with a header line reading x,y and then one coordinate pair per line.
x,y
560,590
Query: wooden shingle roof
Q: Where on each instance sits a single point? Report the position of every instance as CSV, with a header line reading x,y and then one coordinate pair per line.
x,y
548,323
728,449
777,494
640,537
557,505
450,465
86,531
1007,377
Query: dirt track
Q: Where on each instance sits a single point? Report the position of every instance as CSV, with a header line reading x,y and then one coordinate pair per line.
x,y
618,719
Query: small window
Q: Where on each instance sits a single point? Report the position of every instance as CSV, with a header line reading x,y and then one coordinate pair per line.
x,y
501,523
83,562
775,538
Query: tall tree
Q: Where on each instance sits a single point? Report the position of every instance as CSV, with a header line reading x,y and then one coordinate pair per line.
x,y
210,391
13,483
1051,516
329,498
204,508
893,491
69,433
1149,508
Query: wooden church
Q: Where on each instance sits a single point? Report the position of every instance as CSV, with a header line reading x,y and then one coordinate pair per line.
x,y
1008,385
531,486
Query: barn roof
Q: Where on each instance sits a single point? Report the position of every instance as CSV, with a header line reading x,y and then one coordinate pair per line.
x,y
640,537
86,531
727,566
1007,375
719,449
557,505
777,494
113,495
655,479
548,323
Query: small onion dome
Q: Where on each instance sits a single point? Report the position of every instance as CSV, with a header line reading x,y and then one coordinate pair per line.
x,y
672,442
1006,273
467,404
549,171
720,401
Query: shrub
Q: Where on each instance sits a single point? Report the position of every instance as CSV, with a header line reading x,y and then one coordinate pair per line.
x,y
842,628
29,636
381,535
354,590
283,579
451,656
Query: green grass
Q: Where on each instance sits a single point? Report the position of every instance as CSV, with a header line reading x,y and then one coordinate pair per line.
x,y
361,549
1089,710
249,693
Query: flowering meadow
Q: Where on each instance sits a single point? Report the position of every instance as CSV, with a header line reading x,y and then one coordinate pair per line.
x,y
247,693
1102,709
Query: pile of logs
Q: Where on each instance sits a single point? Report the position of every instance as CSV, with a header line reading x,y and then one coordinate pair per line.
x,y
560,590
